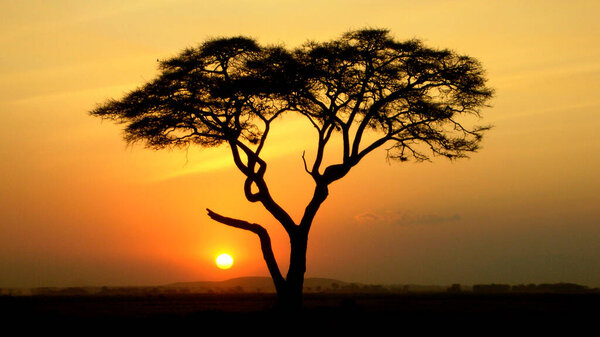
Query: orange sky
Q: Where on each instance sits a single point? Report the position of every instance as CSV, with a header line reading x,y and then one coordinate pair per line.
x,y
79,207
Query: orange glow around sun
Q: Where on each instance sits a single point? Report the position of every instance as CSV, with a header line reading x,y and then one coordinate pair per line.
x,y
224,261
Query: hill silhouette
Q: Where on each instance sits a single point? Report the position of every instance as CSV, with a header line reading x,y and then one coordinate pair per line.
x,y
315,285
257,284
311,285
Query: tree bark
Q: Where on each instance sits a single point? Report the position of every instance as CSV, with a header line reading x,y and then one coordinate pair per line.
x,y
290,299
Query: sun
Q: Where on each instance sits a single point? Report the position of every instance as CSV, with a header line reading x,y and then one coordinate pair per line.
x,y
224,261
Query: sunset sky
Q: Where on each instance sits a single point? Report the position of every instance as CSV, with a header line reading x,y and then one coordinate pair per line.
x,y
79,207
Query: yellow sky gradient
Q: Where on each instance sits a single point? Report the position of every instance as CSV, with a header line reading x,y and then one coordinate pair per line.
x,y
79,207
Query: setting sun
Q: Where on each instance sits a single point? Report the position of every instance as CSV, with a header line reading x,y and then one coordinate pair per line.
x,y
224,261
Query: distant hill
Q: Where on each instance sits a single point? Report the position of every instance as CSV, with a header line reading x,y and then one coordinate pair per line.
x,y
232,286
311,285
256,284
253,285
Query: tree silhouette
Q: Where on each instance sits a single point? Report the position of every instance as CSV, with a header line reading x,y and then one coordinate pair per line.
x,y
230,90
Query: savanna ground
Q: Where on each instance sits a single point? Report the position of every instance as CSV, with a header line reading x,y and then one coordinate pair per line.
x,y
484,314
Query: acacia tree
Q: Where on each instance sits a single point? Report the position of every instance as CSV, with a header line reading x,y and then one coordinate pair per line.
x,y
230,90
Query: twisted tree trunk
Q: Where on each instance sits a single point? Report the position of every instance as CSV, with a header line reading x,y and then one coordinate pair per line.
x,y
291,296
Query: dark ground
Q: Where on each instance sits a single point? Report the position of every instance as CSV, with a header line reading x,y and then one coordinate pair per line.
x,y
465,312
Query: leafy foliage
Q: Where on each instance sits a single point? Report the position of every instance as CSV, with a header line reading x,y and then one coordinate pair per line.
x,y
231,89
205,96
409,94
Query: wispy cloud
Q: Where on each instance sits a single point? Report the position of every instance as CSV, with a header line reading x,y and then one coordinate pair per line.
x,y
403,217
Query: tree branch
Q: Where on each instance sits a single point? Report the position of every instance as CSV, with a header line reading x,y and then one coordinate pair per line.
x,y
305,165
265,244
263,195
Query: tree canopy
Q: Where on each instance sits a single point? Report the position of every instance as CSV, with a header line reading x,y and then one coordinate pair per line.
x,y
229,90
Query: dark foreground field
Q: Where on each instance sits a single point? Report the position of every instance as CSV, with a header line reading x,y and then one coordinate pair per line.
x,y
330,312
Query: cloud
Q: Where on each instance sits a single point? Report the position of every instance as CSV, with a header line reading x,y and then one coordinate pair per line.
x,y
366,218
403,218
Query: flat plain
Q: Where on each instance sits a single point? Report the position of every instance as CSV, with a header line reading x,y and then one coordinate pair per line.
x,y
322,312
